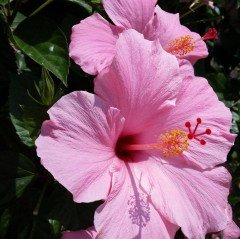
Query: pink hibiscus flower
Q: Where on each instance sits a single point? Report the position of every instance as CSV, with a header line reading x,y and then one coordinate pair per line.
x,y
232,231
93,40
87,234
148,143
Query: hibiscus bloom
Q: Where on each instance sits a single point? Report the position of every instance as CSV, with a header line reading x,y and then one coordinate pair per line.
x,y
83,234
148,144
232,231
93,40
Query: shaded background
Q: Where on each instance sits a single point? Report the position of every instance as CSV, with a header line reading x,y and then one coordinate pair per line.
x,y
32,204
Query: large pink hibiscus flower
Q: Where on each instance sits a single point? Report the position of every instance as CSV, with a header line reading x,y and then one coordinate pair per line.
x,y
148,143
232,231
93,40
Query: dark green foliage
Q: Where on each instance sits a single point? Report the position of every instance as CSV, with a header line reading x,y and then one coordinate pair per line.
x,y
16,173
45,45
35,72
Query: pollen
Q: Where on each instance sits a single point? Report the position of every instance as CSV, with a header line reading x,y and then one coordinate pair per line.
x,y
181,45
172,143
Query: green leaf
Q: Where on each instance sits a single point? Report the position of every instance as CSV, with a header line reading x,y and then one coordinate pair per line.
x,y
96,1
26,115
17,20
4,220
83,4
233,200
3,2
48,90
16,173
47,95
23,223
33,116
21,63
59,205
45,89
56,226
236,120
41,229
45,43
218,81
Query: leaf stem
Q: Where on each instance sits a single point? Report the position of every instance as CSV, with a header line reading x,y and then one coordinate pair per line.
x,y
38,205
8,9
15,11
191,10
235,103
206,20
4,13
41,7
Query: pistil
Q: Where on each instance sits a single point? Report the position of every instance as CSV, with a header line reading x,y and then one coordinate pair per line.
x,y
171,143
185,44
193,135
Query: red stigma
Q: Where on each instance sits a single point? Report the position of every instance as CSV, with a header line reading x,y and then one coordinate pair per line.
x,y
211,34
190,136
203,142
208,131
194,135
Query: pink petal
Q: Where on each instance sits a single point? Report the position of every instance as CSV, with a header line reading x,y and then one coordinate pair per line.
x,y
77,144
151,31
170,28
143,80
198,100
128,212
186,69
194,200
93,43
133,14
231,232
83,234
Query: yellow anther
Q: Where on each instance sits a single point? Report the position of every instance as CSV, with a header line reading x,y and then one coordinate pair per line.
x,y
181,45
172,143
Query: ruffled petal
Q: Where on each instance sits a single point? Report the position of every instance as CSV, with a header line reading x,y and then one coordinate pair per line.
x,y
194,200
93,43
142,82
129,213
232,231
197,99
169,28
77,144
83,234
133,14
